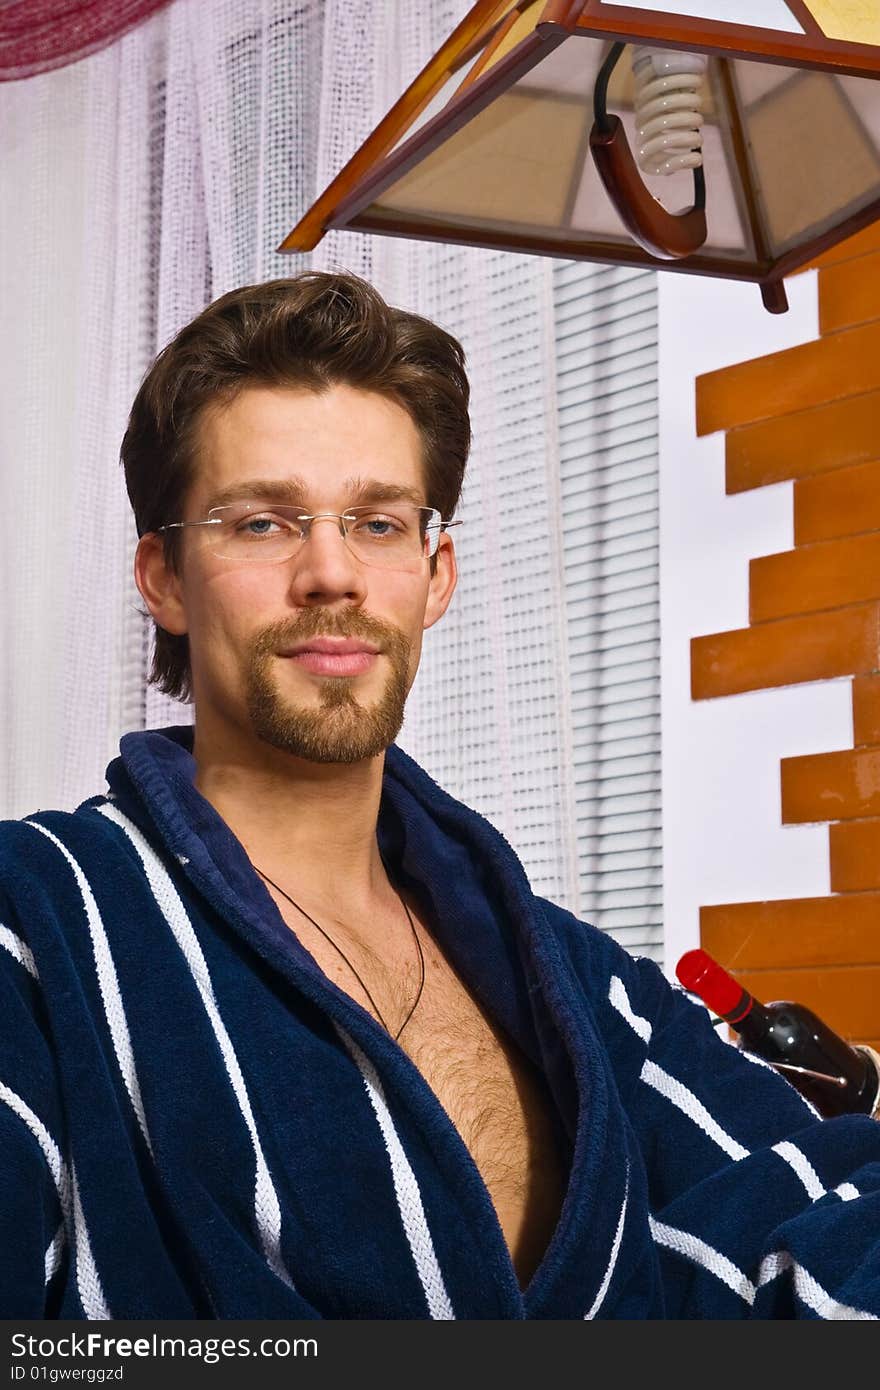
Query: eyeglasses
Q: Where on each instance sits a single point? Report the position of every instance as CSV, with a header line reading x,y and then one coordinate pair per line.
x,y
396,535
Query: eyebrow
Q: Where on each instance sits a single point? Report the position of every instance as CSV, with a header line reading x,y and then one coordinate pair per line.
x,y
293,491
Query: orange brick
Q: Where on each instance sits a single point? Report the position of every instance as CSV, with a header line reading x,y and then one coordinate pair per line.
x,y
843,364
860,244
842,503
831,786
815,647
773,935
827,574
805,443
866,709
849,293
855,856
848,999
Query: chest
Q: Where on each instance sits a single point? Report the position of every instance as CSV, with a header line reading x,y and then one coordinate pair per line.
x,y
493,1094
500,1105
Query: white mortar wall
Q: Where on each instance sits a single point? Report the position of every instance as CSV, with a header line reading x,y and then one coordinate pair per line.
x,y
723,839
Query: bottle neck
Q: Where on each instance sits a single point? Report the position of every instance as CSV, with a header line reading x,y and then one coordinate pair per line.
x,y
746,1007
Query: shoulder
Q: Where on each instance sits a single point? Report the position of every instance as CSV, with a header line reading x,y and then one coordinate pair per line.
x,y
63,876
29,845
606,971
51,864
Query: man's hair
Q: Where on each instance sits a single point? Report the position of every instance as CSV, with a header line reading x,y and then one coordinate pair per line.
x,y
313,331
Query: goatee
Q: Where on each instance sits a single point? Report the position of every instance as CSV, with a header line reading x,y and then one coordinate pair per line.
x,y
341,729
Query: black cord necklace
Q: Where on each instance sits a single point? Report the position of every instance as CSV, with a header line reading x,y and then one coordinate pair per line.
x,y
348,962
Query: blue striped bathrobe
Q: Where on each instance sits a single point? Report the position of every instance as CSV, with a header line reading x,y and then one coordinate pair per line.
x,y
195,1123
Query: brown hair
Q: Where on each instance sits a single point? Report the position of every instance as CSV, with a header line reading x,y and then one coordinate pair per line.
x,y
314,330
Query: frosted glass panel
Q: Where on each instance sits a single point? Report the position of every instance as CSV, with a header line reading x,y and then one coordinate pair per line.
x,y
512,161
804,196
854,21
765,14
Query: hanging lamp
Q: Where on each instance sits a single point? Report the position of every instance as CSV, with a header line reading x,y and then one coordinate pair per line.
x,y
735,138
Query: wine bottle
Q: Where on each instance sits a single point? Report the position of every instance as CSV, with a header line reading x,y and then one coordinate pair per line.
x,y
834,1075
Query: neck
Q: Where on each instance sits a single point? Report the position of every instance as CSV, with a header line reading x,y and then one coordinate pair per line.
x,y
309,826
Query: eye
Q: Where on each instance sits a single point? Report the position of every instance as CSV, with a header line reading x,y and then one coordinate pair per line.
x,y
377,525
259,526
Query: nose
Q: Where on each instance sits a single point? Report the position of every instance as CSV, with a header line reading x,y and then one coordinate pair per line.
x,y
324,569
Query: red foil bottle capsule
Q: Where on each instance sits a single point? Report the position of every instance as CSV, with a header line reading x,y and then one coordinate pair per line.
x,y
831,1073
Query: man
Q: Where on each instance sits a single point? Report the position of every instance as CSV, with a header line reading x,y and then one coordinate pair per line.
x,y
285,1033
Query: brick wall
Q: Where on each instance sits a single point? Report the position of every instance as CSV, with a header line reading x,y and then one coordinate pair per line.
x,y
811,414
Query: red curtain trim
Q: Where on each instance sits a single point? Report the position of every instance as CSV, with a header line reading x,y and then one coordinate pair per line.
x,y
38,35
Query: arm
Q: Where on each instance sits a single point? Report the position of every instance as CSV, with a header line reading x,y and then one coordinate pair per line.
x,y
31,1224
756,1206
34,1192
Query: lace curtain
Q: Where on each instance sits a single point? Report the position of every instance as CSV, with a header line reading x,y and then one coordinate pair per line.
x,y
143,182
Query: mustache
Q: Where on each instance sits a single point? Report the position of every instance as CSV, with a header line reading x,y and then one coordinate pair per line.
x,y
318,622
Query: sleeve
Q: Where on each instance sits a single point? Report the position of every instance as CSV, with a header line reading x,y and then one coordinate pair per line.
x,y
34,1186
758,1207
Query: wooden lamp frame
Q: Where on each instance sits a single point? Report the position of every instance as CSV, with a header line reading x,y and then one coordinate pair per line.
x,y
385,156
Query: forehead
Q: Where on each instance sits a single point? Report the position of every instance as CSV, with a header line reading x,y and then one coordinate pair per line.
x,y
324,439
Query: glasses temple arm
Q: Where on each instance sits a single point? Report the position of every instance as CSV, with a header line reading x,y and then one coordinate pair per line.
x,y
178,525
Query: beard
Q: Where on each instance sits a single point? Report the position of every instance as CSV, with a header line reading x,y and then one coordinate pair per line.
x,y
341,729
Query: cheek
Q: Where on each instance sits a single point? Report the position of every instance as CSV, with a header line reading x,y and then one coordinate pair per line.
x,y
250,590
227,607
407,608
409,617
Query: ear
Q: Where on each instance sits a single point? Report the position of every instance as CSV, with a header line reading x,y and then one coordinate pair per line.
x,y
159,585
442,583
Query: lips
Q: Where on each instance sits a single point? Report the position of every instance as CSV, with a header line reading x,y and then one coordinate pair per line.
x,y
333,646
333,656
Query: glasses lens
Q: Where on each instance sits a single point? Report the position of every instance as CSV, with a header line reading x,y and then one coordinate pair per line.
x,y
254,531
397,535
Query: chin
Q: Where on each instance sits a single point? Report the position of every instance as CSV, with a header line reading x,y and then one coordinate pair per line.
x,y
339,729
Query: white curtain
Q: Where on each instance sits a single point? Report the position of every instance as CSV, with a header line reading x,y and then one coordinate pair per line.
x,y
136,186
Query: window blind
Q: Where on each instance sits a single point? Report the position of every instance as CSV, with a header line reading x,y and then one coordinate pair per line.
x,y
606,369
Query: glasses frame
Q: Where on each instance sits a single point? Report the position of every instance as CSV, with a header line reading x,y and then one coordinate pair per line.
x,y
433,527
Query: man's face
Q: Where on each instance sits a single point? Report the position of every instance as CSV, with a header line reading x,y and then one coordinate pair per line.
x,y
262,635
